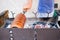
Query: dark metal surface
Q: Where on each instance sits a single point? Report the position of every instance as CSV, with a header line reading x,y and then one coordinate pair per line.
x,y
28,34
48,34
4,34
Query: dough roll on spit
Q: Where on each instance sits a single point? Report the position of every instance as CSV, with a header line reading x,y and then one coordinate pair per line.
x,y
19,21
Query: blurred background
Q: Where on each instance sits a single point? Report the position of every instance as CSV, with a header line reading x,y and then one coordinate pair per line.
x,y
10,8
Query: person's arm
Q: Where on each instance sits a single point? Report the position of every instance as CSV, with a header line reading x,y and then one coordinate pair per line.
x,y
28,5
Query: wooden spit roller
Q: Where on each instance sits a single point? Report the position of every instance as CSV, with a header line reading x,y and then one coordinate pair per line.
x,y
19,21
